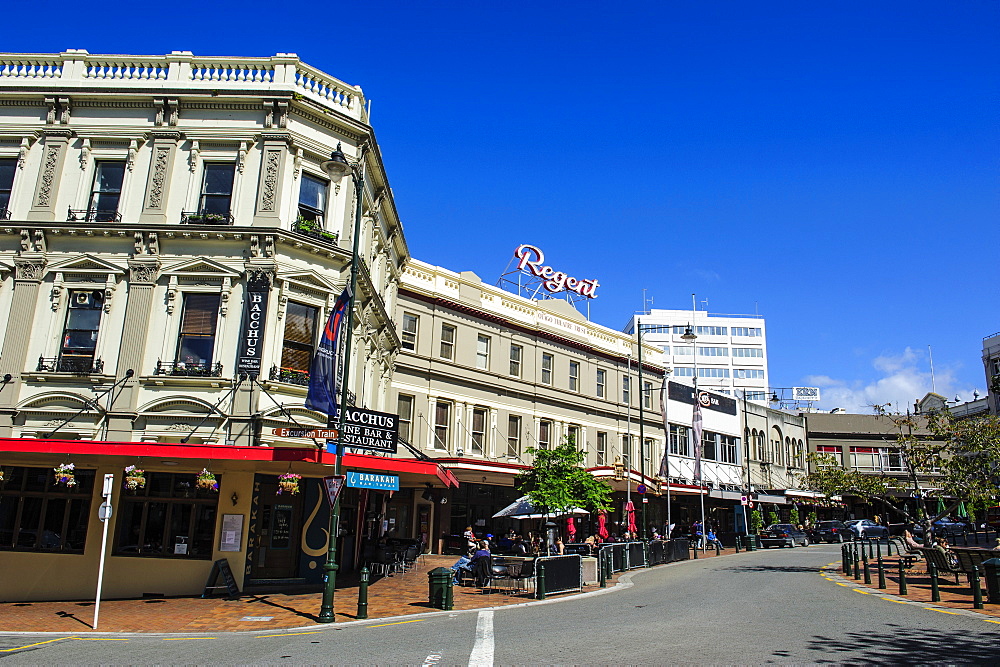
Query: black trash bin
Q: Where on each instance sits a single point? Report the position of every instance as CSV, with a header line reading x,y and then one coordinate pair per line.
x,y
440,594
991,572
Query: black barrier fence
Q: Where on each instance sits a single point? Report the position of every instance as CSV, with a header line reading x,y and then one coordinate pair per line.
x,y
657,552
561,574
636,555
580,549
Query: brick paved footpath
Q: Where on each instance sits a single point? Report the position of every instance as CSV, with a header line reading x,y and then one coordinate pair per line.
x,y
398,595
918,586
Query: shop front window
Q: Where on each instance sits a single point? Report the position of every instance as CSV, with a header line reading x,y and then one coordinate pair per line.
x,y
169,518
38,514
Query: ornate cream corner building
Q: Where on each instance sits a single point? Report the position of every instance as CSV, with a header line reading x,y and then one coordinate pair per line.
x,y
148,204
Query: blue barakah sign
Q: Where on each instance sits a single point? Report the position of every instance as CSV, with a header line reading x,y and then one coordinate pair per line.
x,y
367,480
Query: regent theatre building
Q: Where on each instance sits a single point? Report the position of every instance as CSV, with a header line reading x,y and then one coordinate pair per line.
x,y
170,249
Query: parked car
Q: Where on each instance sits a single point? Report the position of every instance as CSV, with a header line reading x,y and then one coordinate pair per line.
x,y
832,531
867,528
944,528
783,535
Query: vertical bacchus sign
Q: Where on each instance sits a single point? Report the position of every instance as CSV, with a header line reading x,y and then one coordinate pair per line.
x,y
254,317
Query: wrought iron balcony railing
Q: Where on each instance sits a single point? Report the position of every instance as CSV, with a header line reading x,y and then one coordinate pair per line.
x,y
289,375
202,218
92,215
188,369
4,214
80,366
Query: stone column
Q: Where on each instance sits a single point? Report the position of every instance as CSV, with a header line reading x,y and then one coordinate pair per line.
x,y
273,156
43,206
161,168
29,269
143,273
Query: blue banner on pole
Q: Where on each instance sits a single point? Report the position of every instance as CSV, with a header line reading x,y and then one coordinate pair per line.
x,y
322,395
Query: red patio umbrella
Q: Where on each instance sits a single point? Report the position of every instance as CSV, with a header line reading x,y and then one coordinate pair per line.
x,y
570,528
602,525
630,510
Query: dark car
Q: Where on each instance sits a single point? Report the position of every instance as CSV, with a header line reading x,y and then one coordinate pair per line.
x,y
783,535
944,528
832,531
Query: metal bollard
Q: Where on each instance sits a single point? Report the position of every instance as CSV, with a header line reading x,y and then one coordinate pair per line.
x,y
363,594
645,554
935,591
696,551
902,577
718,548
857,565
881,572
738,540
977,589
602,574
540,582
868,572
878,549
845,560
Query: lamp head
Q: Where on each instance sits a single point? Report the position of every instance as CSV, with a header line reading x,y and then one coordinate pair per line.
x,y
337,166
689,334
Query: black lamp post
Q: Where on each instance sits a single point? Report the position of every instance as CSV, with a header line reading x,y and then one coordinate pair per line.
x,y
337,167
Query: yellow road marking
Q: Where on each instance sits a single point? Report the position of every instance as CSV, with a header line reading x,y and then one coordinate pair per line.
x,y
840,584
858,590
289,634
989,621
101,639
181,639
942,611
895,600
20,648
382,625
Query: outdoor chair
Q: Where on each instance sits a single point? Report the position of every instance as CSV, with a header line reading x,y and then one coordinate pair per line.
x,y
409,557
522,572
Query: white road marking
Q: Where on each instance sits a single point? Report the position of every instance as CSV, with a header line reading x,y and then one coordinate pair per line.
x,y
482,651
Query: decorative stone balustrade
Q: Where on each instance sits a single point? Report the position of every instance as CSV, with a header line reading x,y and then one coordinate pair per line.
x,y
78,68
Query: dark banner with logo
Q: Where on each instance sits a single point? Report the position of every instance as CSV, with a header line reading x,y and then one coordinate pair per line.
x,y
709,401
252,328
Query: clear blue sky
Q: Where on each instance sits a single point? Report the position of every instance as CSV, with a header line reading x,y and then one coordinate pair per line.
x,y
831,164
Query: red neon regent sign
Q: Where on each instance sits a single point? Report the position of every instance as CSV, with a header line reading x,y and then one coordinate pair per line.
x,y
531,259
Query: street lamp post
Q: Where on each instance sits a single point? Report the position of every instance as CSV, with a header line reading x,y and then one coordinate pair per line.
x,y
690,336
337,167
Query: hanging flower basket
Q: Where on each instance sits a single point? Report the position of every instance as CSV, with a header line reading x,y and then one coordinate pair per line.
x,y
206,480
134,478
64,474
1,475
288,482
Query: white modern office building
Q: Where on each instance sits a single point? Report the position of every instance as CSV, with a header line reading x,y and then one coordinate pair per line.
x,y
728,353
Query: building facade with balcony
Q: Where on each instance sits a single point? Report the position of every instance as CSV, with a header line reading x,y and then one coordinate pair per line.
x,y
170,250
484,375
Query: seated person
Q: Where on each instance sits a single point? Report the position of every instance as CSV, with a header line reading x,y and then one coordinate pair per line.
x,y
468,563
713,541
519,548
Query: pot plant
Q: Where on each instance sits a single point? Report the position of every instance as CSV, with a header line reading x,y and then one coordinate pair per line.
x,y
65,474
288,482
134,478
206,480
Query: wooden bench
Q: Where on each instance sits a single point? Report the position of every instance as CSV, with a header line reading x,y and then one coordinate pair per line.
x,y
942,562
907,555
971,559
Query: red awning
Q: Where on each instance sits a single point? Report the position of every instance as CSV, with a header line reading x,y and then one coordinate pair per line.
x,y
225,452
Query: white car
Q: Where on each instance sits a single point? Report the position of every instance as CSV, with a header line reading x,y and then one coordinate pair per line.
x,y
867,528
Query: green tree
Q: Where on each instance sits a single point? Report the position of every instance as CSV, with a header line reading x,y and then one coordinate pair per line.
x,y
793,516
771,515
973,465
557,482
756,521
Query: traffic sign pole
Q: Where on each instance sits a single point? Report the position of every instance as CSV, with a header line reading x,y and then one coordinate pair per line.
x,y
104,514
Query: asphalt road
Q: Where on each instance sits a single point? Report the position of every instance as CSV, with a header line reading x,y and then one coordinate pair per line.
x,y
771,606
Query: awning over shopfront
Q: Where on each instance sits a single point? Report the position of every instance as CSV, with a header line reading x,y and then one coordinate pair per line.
x,y
263,455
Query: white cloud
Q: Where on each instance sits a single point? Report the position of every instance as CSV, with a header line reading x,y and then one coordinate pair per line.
x,y
902,379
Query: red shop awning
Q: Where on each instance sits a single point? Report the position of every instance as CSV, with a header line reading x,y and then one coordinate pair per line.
x,y
226,452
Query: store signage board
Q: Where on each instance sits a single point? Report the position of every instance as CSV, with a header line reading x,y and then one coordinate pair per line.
x,y
683,393
318,433
368,480
368,429
530,260
252,328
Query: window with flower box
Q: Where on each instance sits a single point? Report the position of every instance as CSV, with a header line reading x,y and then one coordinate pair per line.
x,y
298,346
168,518
38,514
